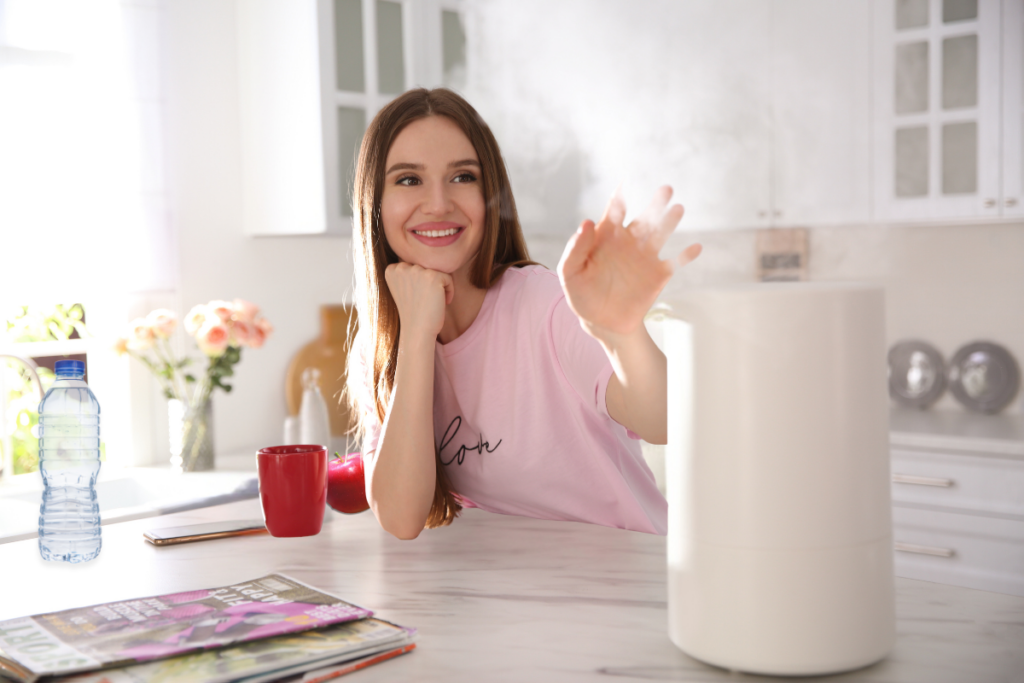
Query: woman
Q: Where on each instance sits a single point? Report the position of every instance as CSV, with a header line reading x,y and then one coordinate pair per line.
x,y
482,379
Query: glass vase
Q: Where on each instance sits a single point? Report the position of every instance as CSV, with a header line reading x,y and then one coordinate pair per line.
x,y
190,429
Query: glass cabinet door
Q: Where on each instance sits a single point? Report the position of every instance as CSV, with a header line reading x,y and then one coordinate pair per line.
x,y
938,107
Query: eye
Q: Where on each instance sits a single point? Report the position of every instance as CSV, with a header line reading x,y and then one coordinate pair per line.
x,y
407,180
464,177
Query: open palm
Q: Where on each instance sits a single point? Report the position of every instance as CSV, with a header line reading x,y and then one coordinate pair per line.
x,y
612,274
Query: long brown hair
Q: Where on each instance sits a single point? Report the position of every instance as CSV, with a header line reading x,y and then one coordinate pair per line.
x,y
502,247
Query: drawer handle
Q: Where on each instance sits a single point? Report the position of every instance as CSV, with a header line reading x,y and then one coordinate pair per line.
x,y
924,549
921,481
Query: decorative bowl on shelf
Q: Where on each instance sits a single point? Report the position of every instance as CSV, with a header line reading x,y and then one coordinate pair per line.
x,y
984,377
917,374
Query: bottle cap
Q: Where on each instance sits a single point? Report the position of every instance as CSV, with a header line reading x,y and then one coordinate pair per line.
x,y
69,368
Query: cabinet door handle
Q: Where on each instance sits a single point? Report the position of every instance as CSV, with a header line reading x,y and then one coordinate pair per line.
x,y
924,549
921,481
989,203
1011,202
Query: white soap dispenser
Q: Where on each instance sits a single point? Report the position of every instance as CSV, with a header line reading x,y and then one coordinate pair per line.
x,y
314,423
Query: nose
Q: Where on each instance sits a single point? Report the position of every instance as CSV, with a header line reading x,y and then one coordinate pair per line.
x,y
437,201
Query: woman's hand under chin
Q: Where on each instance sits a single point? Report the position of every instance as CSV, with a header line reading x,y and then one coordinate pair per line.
x,y
421,295
612,274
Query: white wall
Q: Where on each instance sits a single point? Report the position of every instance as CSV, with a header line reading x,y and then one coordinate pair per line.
x,y
289,277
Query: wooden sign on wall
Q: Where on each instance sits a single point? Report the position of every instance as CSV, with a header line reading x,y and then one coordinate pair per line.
x,y
782,254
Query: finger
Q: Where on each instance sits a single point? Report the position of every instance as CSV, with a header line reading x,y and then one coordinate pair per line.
x,y
689,254
615,212
651,216
577,250
666,224
448,282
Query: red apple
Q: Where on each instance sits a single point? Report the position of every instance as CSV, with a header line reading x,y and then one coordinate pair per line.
x,y
346,486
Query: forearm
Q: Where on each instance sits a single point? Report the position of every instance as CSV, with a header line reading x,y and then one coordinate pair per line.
x,y
637,396
402,475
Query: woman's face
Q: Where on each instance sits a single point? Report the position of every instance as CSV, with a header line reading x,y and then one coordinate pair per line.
x,y
433,201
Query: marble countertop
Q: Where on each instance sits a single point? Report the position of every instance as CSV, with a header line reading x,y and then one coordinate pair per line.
x,y
958,431
500,598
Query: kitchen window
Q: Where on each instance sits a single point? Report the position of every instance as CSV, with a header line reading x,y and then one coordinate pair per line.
x,y
83,213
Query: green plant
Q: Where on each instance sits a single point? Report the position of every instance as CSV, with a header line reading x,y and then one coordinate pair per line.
x,y
35,324
22,419
20,423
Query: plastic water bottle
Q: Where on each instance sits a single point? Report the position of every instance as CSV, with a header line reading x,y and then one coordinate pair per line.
x,y
69,460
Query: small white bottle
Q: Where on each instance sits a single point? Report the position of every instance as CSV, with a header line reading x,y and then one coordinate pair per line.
x,y
314,422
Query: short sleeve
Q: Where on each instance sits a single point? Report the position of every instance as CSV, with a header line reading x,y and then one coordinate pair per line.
x,y
580,356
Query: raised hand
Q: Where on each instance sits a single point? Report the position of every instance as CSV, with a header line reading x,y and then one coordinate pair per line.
x,y
421,295
612,274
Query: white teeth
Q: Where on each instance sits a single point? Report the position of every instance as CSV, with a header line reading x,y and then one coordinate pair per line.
x,y
436,233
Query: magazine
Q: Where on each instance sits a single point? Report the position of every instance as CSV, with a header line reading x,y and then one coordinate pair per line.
x,y
120,633
271,659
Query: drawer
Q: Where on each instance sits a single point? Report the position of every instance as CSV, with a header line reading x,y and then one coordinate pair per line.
x,y
962,550
993,485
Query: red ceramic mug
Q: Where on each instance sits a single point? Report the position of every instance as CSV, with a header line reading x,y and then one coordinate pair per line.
x,y
293,489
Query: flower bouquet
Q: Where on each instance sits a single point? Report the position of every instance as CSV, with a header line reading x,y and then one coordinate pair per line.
x,y
220,330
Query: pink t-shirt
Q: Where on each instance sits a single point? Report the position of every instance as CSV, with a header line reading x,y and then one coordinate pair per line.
x,y
520,415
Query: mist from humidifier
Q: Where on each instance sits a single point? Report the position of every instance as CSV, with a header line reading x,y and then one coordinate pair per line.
x,y
605,117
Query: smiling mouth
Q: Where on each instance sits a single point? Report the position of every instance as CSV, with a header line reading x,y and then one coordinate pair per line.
x,y
437,233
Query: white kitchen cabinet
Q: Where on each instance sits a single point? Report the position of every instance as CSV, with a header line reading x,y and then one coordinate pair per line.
x,y
721,58
959,550
948,109
285,176
779,97
312,74
1012,147
821,95
958,499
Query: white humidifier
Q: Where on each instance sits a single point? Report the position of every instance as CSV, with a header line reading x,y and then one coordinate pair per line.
x,y
777,469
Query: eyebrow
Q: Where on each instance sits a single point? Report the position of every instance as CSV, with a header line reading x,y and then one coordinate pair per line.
x,y
419,167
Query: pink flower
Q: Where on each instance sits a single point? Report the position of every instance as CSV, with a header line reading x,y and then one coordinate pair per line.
x,y
213,338
245,311
163,322
223,309
196,318
140,335
241,333
257,338
260,331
